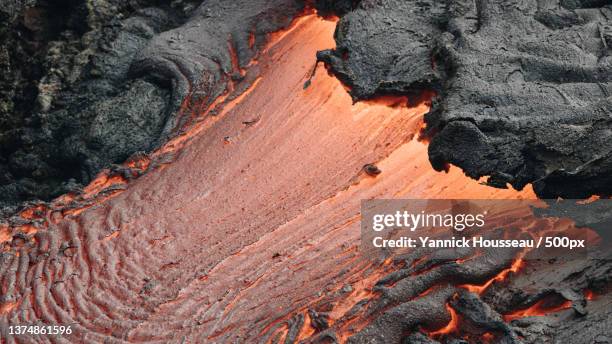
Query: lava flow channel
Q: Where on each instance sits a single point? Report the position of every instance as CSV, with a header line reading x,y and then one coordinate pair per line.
x,y
257,215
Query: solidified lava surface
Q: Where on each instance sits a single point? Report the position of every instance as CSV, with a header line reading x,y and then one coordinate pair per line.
x,y
196,249
89,83
243,223
524,85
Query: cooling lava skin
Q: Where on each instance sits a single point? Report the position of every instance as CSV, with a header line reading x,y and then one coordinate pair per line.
x,y
524,87
193,171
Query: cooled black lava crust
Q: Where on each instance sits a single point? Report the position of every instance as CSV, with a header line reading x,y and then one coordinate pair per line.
x,y
68,106
88,83
523,86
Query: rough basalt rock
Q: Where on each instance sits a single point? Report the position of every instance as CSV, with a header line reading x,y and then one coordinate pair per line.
x,y
424,295
385,47
68,105
91,82
524,87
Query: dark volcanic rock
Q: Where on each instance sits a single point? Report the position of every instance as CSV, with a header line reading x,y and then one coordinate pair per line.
x,y
87,83
524,88
67,105
335,7
385,47
403,311
201,57
524,91
529,97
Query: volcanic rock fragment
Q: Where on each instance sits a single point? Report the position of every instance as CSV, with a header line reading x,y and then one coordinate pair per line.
x,y
91,82
524,88
527,101
385,47
371,170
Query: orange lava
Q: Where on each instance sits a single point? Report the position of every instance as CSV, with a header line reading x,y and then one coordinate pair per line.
x,y
427,291
32,213
306,143
488,337
7,307
502,275
275,37
102,181
275,213
540,308
452,326
234,58
590,199
589,295
28,229
5,234
307,329
389,100
141,163
251,40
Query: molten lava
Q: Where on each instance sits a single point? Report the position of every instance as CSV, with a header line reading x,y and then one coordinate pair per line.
x,y
452,326
540,308
7,307
589,295
199,239
501,276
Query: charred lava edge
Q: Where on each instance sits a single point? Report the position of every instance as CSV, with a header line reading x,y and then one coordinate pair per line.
x,y
354,63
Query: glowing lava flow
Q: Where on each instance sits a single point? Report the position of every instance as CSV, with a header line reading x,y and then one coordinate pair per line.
x,y
262,199
540,308
589,295
452,326
502,275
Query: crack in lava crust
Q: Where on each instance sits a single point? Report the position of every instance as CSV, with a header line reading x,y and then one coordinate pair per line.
x,y
259,212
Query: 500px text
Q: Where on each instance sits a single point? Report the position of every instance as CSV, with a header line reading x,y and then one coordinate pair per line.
x,y
478,242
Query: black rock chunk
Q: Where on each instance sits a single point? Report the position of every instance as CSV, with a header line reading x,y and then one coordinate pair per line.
x,y
524,88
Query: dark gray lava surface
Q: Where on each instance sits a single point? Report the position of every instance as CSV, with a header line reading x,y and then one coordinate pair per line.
x,y
523,97
524,86
68,106
88,83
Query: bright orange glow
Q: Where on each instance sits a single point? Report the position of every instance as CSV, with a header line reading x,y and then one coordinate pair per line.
x,y
7,307
589,295
234,59
362,290
330,135
501,276
452,326
389,100
5,234
251,40
102,181
488,337
307,329
141,163
590,199
112,236
540,308
32,213
426,292
276,37
28,229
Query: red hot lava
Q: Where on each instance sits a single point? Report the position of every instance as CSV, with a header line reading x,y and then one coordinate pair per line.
x,y
451,327
540,308
187,250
